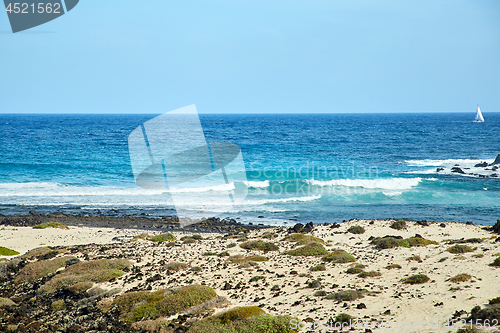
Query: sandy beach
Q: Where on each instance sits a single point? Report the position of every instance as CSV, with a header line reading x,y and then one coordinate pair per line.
x,y
306,288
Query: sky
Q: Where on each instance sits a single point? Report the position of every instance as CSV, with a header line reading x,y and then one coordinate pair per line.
x,y
256,56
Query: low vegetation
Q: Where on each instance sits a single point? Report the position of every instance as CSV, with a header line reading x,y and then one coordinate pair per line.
x,y
460,278
458,248
495,300
344,319
388,242
46,225
320,267
356,230
311,249
39,269
94,271
463,241
7,252
489,313
356,269
259,245
302,239
339,256
416,279
345,295
249,319
158,238
398,225
369,274
144,305
393,266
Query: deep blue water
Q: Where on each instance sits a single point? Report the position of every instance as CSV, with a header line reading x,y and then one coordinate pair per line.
x,y
319,168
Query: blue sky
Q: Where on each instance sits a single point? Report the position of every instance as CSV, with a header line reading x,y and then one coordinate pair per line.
x,y
256,56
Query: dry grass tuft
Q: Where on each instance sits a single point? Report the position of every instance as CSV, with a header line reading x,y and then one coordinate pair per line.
x,y
46,225
416,279
458,248
460,278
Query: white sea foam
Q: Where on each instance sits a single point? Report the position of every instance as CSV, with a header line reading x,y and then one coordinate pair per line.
x,y
444,163
257,184
381,183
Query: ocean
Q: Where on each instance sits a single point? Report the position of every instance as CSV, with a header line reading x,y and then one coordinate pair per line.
x,y
300,167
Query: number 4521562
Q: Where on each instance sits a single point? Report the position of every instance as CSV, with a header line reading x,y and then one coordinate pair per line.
x,y
24,8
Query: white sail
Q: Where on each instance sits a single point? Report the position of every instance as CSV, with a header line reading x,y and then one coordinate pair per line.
x,y
479,116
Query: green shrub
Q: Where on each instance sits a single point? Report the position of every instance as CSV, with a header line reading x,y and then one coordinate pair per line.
x,y
209,253
100,270
398,225
489,313
320,267
320,293
311,249
302,239
163,238
346,295
143,305
393,266
356,230
257,278
339,256
259,245
460,278
389,242
344,319
239,313
259,323
7,252
458,248
416,279
462,241
197,237
39,269
495,300
184,298
46,225
418,241
223,254
369,274
356,269
58,305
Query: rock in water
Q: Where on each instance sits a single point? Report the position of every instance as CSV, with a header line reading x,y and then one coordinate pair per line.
x,y
497,160
439,169
457,170
481,165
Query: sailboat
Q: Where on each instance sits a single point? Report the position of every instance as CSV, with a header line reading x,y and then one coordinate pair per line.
x,y
479,116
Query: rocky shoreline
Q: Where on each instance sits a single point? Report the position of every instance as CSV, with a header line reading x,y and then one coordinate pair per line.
x,y
213,224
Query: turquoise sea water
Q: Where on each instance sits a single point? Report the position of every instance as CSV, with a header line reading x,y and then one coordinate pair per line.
x,y
320,168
